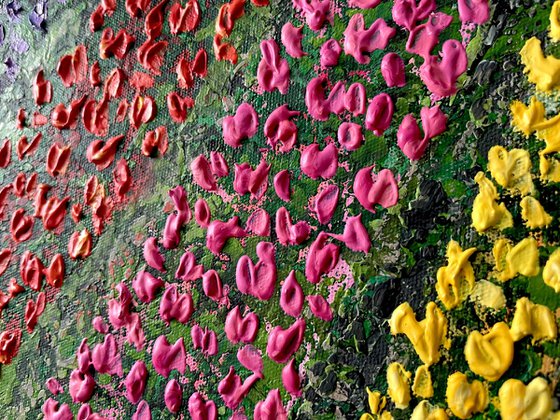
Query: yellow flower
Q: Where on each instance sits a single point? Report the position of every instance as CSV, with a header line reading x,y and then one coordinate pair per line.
x,y
490,355
376,401
533,319
543,71
533,213
463,398
376,404
456,280
525,402
549,168
511,170
522,258
422,386
426,411
488,295
524,118
551,271
555,22
487,213
549,131
427,335
398,382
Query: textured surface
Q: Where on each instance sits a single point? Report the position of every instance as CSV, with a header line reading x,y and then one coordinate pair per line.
x,y
409,240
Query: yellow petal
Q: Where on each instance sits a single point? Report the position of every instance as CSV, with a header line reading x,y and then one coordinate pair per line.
x,y
398,382
456,280
422,386
511,170
519,401
543,71
533,319
524,118
551,271
487,213
463,398
522,258
490,355
488,295
533,213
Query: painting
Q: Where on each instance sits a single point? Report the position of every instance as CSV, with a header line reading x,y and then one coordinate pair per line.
x,y
279,209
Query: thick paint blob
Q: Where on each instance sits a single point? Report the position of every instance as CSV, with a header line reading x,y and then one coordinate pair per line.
x,y
258,280
321,259
166,357
291,296
371,189
359,41
392,70
317,163
330,53
241,126
283,343
240,328
291,37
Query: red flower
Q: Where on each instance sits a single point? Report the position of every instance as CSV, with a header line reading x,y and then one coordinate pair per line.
x,y
9,345
5,257
31,184
95,117
76,212
153,24
227,16
14,288
184,19
31,270
122,178
79,245
95,74
142,110
224,51
118,45
58,158
178,106
21,226
121,111
150,55
114,84
19,185
101,153
53,212
40,199
91,190
200,63
155,142
24,148
96,19
73,68
66,118
4,191
20,119
5,153
55,271
136,7
42,89
184,73
33,310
